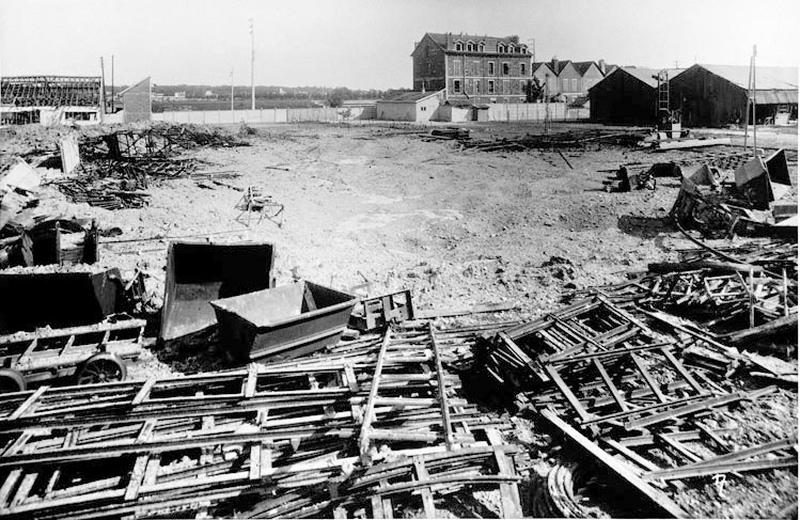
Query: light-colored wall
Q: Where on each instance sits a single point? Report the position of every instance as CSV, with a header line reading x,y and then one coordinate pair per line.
x,y
267,115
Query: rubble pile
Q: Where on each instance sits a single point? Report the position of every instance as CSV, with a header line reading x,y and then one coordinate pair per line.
x,y
710,202
377,425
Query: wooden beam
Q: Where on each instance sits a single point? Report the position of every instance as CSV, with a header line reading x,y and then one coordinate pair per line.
x,y
664,505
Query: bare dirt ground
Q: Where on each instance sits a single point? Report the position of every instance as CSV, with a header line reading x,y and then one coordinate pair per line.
x,y
378,204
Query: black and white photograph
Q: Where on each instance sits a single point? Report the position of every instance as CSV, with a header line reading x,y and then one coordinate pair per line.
x,y
377,259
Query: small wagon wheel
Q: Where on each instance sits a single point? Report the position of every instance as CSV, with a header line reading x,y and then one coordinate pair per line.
x,y
101,368
11,381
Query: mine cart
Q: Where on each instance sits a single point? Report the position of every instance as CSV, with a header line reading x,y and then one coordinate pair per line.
x,y
85,355
284,322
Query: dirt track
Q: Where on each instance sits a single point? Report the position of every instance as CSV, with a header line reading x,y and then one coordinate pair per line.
x,y
457,227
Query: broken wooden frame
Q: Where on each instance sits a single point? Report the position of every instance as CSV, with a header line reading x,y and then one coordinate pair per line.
x,y
283,435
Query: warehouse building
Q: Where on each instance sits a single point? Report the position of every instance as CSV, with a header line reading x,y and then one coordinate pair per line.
x,y
716,95
628,95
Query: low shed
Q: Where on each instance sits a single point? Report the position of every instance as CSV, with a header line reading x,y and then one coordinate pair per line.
x,y
410,106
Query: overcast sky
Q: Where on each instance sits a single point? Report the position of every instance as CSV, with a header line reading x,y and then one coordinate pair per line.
x,y
367,44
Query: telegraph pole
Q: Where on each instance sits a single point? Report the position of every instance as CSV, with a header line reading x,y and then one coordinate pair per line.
x,y
113,102
252,67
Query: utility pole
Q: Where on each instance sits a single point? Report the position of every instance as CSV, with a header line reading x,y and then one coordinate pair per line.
x,y
751,101
755,123
102,87
252,67
113,101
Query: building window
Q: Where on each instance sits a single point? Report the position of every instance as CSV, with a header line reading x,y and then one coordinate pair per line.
x,y
459,46
470,46
481,47
574,84
521,69
523,49
477,87
522,86
457,86
457,67
501,48
491,68
511,49
491,86
505,69
423,109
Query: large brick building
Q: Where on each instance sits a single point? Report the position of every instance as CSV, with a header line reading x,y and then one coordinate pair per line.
x,y
473,69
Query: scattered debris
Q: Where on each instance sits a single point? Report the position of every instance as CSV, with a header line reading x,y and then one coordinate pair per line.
x,y
255,200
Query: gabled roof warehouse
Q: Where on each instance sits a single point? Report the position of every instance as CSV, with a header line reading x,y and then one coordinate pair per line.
x,y
716,95
627,95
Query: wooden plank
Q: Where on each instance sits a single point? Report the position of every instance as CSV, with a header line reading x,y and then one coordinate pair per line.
x,y
567,393
615,393
446,313
738,466
255,461
648,378
363,437
509,492
682,370
678,447
630,454
24,489
11,481
443,404
25,405
377,506
143,392
664,505
683,410
251,380
427,497
137,477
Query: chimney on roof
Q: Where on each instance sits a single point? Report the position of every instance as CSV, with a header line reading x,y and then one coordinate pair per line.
x,y
554,64
602,65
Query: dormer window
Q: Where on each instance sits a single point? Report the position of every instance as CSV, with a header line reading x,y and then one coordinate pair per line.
x,y
459,46
470,46
501,48
481,47
523,49
511,49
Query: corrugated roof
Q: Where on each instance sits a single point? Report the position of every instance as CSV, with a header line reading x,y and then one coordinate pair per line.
x,y
767,78
409,97
776,97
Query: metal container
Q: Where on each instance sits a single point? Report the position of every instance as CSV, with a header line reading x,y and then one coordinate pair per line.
x,y
284,322
198,272
31,299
